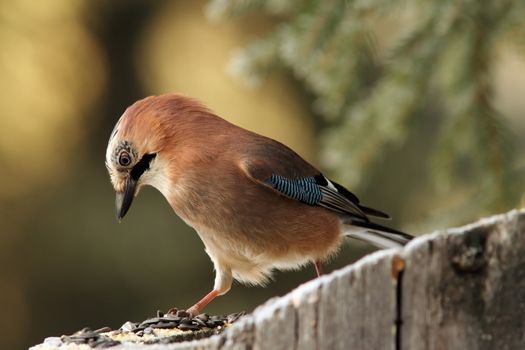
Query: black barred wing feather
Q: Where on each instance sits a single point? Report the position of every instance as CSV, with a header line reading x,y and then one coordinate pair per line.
x,y
303,189
318,190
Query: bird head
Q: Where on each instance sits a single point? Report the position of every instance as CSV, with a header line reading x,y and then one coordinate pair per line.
x,y
133,152
153,140
127,166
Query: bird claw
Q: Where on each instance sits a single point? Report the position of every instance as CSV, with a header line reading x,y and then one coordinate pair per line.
x,y
172,311
193,311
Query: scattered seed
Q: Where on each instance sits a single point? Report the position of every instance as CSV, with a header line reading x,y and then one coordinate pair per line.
x,y
53,341
129,326
203,317
103,330
182,313
188,327
85,333
201,326
172,311
93,339
164,325
140,328
185,320
171,318
104,342
199,322
152,320
235,316
217,323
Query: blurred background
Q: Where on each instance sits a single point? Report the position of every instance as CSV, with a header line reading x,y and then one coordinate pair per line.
x,y
416,106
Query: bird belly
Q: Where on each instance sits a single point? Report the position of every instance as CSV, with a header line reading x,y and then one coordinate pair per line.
x,y
253,249
252,230
250,265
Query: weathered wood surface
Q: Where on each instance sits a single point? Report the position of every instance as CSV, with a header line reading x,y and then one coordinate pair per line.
x,y
466,289
462,288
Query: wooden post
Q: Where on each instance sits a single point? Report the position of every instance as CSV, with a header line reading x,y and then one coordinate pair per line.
x,y
462,289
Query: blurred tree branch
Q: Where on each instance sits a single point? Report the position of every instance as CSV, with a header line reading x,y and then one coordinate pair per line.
x,y
369,93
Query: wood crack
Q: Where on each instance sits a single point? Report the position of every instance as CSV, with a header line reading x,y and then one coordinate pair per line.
x,y
398,268
399,310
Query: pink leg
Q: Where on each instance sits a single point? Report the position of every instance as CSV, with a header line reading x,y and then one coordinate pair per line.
x,y
197,308
318,268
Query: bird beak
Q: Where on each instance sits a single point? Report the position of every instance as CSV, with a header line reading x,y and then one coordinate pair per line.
x,y
124,199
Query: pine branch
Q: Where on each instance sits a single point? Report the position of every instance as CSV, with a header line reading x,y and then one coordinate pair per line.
x,y
369,102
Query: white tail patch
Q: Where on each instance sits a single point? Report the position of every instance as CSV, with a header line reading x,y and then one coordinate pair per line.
x,y
376,238
330,184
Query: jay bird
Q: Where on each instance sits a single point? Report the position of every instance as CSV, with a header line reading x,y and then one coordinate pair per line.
x,y
255,203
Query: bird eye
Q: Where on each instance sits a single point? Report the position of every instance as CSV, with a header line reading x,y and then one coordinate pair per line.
x,y
124,159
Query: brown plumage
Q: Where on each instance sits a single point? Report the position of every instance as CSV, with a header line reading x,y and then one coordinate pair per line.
x,y
255,203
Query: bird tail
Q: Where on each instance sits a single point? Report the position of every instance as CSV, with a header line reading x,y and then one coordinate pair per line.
x,y
375,234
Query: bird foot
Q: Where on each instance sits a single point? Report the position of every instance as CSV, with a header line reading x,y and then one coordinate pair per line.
x,y
172,311
193,311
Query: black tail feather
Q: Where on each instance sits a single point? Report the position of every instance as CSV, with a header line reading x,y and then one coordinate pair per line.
x,y
374,212
385,232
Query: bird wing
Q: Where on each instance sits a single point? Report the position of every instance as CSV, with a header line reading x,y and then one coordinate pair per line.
x,y
314,189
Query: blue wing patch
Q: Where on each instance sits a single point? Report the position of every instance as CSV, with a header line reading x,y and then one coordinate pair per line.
x,y
304,189
317,190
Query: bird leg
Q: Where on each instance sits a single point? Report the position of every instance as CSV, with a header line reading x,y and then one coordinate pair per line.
x,y
201,304
318,268
223,283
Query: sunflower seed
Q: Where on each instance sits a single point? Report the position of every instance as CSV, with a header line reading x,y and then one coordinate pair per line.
x,y
164,325
182,313
53,341
171,318
235,316
85,334
152,320
188,327
185,320
103,330
104,342
199,322
203,317
129,326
